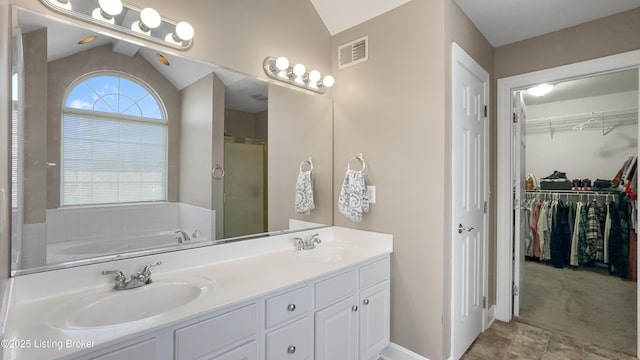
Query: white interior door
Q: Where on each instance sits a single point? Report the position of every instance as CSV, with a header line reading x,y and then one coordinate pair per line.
x,y
470,86
519,199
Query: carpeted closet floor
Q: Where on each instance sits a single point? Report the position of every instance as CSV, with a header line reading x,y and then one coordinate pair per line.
x,y
589,306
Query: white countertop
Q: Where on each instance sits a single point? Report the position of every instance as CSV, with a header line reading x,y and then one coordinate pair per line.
x,y
240,272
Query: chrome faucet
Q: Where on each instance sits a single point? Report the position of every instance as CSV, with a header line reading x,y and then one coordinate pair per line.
x,y
308,244
138,279
183,237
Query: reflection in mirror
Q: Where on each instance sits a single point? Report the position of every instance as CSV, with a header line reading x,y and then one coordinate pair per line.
x,y
121,150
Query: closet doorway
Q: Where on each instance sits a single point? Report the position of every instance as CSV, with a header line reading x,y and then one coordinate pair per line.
x,y
582,109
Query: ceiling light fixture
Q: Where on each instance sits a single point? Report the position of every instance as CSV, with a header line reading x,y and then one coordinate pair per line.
x,y
131,21
540,90
149,19
87,40
297,75
163,59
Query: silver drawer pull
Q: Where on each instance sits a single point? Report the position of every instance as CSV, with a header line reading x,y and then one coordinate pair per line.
x,y
291,307
366,301
354,308
291,349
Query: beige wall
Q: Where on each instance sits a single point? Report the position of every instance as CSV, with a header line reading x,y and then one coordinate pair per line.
x,y
607,36
63,72
245,125
196,143
35,126
391,109
299,127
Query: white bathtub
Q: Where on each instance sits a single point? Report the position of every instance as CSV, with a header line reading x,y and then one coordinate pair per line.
x,y
82,249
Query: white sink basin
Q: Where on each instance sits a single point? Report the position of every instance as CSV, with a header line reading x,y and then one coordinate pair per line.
x,y
325,254
117,307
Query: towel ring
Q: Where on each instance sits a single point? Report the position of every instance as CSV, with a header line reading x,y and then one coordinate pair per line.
x,y
306,161
357,157
217,172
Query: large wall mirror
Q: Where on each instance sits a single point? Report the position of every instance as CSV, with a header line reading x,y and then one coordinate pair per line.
x,y
123,150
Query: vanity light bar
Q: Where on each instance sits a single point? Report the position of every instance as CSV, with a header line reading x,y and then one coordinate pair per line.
x,y
297,75
125,18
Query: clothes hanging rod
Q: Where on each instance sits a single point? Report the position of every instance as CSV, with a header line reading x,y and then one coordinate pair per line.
x,y
574,192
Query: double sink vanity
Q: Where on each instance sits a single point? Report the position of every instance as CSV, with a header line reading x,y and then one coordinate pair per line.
x,y
275,297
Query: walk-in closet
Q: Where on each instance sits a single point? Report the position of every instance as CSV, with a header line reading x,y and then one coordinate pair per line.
x,y
580,242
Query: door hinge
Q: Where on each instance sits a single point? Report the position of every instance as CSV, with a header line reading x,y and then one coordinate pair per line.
x,y
515,290
485,111
484,302
484,208
516,118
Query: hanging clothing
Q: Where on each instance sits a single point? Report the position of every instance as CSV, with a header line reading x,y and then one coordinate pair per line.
x,y
574,260
607,233
594,249
534,227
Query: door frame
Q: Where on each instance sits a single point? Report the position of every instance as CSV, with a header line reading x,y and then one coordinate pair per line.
x,y
458,54
504,266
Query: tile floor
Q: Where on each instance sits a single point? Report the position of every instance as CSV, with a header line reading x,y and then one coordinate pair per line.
x,y
517,340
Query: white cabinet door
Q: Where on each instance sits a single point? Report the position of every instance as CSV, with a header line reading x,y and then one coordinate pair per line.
x,y
244,352
145,350
337,331
374,320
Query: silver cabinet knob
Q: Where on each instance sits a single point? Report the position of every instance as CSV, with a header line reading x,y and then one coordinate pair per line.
x,y
291,349
354,308
291,307
366,301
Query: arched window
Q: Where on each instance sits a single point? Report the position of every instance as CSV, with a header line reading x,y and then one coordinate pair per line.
x,y
114,142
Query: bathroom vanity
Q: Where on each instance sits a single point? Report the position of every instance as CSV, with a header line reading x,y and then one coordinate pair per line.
x,y
253,299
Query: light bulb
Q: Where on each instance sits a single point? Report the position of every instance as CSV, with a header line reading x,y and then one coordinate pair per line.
x,y
282,63
107,10
110,7
184,31
314,76
299,70
328,81
149,19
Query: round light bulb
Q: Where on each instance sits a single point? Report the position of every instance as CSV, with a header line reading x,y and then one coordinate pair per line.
x,y
328,81
299,70
314,76
184,31
282,63
150,18
110,7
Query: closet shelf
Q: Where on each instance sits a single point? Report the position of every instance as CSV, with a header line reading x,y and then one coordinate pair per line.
x,y
603,120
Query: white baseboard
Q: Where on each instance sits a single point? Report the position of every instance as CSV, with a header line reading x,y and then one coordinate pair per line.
x,y
397,352
490,316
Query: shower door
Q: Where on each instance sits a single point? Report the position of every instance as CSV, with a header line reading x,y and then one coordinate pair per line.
x,y
245,190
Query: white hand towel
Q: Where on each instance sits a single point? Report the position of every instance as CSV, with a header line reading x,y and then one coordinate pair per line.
x,y
304,193
354,198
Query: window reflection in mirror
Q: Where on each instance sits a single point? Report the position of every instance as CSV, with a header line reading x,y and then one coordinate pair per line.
x,y
114,150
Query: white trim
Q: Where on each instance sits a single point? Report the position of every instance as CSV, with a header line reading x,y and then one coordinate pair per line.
x,y
504,229
490,317
458,55
397,352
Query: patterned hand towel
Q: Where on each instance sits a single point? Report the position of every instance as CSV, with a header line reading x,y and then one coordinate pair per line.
x,y
304,193
354,198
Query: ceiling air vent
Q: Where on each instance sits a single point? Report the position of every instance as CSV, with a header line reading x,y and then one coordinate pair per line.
x,y
353,52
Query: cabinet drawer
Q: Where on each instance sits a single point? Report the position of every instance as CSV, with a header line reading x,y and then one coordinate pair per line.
x,y
288,306
213,335
336,288
291,342
374,273
245,352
